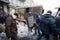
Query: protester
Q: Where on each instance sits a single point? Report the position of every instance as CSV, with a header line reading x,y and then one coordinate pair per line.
x,y
45,29
45,24
3,15
11,28
30,19
57,29
38,32
52,25
37,28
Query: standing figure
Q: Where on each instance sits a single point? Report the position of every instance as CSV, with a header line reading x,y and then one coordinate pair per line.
x,y
57,29
11,27
3,15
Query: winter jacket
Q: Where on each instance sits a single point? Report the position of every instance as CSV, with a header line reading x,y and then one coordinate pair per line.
x,y
47,24
57,25
38,18
11,28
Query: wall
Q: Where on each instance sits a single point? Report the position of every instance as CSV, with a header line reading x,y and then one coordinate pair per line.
x,y
12,5
4,6
7,1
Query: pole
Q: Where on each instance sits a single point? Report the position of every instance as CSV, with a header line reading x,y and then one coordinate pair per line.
x,y
56,14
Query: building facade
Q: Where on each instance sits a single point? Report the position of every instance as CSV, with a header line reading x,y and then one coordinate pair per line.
x,y
17,4
4,5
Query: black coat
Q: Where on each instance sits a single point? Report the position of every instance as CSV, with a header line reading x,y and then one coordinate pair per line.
x,y
57,25
47,24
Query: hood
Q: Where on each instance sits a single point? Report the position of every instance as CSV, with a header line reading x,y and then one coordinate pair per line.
x,y
47,15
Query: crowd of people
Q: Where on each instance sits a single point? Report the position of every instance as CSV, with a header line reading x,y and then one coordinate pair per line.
x,y
47,24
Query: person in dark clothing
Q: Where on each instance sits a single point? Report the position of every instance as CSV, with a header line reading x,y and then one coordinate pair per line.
x,y
47,23
57,29
3,16
38,28
38,32
45,28
11,28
